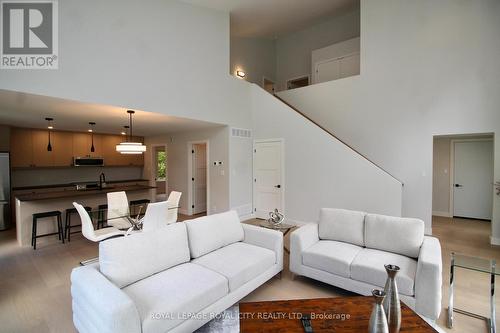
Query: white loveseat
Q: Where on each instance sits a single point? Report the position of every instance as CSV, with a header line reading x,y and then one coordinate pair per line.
x,y
349,249
176,278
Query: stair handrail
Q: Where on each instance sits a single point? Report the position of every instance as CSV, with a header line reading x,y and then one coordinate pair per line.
x,y
336,137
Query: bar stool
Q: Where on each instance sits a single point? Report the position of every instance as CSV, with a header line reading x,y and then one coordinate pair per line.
x,y
134,203
38,216
67,222
101,215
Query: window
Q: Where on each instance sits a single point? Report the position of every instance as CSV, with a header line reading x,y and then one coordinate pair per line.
x,y
161,165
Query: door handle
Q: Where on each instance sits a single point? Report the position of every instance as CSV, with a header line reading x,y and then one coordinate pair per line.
x,y
459,185
277,186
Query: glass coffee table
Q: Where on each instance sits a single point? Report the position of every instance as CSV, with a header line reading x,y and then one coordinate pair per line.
x,y
482,265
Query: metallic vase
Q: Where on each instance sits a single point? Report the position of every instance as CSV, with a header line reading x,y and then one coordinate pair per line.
x,y
392,304
378,320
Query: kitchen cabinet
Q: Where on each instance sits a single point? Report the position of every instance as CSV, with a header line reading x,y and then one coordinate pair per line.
x,y
62,149
82,143
21,148
111,156
29,148
41,156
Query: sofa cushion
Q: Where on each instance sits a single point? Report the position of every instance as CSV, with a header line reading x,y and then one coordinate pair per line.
x,y
342,225
238,262
209,233
126,260
331,256
394,234
164,299
368,267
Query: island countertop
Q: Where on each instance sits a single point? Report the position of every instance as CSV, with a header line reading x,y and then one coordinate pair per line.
x,y
47,186
68,194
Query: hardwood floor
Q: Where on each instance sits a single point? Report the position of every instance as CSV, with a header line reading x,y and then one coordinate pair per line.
x,y
35,286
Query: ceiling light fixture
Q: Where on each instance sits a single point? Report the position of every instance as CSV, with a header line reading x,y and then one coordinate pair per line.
x,y
91,130
50,127
241,74
129,147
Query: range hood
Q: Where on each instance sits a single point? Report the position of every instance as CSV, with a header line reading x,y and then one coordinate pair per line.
x,y
88,161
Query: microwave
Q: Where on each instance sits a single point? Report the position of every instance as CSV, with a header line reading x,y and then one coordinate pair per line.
x,y
88,161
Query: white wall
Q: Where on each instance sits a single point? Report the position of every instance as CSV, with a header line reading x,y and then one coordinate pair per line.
x,y
423,73
156,55
240,156
293,51
320,171
255,56
177,164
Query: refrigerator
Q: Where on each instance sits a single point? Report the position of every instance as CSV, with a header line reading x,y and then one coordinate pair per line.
x,y
5,218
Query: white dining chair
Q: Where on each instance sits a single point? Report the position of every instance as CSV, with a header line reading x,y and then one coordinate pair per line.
x,y
117,208
88,228
173,204
156,216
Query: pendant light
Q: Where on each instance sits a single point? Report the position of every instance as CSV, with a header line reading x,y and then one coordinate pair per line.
x,y
91,130
130,147
50,127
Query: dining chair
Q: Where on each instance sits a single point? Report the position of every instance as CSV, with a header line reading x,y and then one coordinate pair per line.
x,y
156,216
173,201
88,228
117,208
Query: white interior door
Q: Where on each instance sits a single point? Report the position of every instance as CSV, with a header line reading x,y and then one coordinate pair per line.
x,y
349,65
328,70
473,179
199,178
268,181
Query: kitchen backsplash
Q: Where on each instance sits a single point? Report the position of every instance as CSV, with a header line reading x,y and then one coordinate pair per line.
x,y
39,176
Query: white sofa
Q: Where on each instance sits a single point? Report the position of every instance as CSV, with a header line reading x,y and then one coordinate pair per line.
x,y
349,249
176,278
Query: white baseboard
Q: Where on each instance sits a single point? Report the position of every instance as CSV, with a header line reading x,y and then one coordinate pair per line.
x,y
443,214
494,240
428,231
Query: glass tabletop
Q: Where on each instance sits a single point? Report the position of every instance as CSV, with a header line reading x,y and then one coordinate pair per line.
x,y
106,214
475,263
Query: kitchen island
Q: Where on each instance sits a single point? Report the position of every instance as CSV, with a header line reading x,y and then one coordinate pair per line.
x,y
28,204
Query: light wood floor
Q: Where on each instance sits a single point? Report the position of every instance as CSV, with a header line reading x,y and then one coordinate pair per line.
x,y
35,287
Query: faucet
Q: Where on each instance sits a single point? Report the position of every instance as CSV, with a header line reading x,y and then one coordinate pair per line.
x,y
102,180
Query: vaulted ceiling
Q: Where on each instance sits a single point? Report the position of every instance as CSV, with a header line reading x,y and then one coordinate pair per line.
x,y
272,18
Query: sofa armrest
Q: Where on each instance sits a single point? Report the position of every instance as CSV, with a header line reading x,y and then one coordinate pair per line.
x,y
301,239
100,305
428,280
266,238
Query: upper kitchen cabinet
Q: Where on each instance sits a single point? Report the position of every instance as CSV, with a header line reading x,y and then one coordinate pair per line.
x,y
29,148
135,159
62,149
111,156
82,143
41,156
21,148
